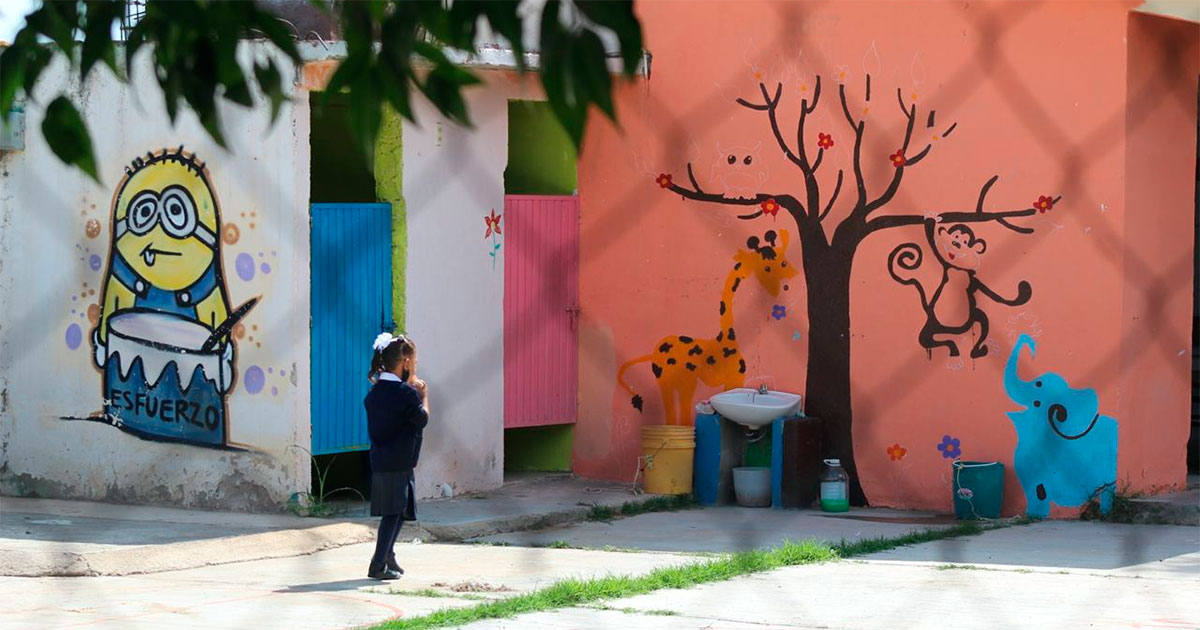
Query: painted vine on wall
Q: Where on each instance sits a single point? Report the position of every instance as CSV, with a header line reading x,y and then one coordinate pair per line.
x,y
165,335
829,247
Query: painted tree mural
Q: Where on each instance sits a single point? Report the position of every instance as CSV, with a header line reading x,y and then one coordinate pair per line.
x,y
829,248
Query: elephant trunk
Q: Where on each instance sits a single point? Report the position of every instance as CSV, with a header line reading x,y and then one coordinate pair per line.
x,y
1016,388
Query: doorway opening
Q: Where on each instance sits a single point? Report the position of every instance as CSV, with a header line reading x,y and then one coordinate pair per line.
x,y
539,434
338,173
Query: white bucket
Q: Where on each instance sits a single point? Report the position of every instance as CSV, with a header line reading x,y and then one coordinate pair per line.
x,y
752,485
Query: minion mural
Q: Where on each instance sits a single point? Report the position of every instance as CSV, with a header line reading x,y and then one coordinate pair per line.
x,y
163,337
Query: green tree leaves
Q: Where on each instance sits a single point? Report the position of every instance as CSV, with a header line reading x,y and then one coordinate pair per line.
x,y
393,48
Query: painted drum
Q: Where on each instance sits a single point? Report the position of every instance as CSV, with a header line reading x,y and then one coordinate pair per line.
x,y
157,381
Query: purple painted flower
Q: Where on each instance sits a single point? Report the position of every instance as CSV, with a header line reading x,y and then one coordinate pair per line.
x,y
950,447
778,311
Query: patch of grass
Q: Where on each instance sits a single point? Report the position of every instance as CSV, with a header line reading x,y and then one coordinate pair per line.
x,y
576,592
560,544
601,513
634,508
1123,509
635,611
848,549
430,593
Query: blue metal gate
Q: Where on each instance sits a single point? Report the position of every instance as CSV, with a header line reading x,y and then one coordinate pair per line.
x,y
351,304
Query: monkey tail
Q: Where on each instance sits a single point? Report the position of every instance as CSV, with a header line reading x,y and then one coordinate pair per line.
x,y
907,256
635,399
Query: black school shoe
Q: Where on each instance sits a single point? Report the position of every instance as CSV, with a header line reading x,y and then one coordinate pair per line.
x,y
392,565
382,573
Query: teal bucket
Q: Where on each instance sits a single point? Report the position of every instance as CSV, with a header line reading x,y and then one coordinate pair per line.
x,y
978,489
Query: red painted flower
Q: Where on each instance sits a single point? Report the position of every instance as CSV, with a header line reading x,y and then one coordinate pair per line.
x,y
896,452
825,141
664,180
1044,203
898,158
770,207
493,223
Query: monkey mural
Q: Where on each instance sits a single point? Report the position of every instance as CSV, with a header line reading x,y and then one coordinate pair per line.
x,y
680,362
163,338
952,308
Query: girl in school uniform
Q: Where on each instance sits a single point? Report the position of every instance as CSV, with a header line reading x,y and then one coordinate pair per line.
x,y
397,412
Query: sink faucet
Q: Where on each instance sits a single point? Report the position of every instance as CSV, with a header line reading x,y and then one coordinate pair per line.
x,y
762,389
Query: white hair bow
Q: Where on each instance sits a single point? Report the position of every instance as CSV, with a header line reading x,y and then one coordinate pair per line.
x,y
383,340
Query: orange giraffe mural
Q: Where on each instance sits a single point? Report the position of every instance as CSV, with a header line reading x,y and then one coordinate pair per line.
x,y
680,362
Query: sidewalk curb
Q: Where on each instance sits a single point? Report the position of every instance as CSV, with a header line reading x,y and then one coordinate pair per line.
x,y
280,543
184,555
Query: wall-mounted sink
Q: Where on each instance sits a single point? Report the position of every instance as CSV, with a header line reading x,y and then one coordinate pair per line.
x,y
752,409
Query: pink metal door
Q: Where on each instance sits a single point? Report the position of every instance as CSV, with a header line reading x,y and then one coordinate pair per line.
x,y
541,310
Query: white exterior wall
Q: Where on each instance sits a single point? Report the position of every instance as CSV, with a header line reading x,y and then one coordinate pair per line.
x,y
48,278
453,178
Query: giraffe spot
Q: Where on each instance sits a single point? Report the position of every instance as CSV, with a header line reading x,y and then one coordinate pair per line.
x,y
737,282
711,360
657,369
741,366
732,335
728,352
691,366
666,347
671,362
683,339
738,266
92,229
721,336
767,269
722,307
695,350
636,401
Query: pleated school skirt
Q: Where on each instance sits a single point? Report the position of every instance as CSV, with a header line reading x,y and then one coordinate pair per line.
x,y
394,493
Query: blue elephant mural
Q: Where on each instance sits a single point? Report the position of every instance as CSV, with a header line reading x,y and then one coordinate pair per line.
x,y
1066,451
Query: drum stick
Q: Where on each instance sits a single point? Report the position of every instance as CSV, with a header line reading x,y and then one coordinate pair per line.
x,y
228,324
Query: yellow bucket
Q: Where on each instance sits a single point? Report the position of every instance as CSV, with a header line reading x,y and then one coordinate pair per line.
x,y
667,453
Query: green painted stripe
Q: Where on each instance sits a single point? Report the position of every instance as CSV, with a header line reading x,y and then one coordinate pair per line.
x,y
389,187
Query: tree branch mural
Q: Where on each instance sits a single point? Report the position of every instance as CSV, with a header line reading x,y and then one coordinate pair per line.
x,y
829,249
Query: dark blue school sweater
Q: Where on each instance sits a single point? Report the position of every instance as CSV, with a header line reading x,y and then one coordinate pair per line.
x,y
395,423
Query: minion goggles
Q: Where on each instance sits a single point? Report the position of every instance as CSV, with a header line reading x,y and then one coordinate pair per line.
x,y
173,208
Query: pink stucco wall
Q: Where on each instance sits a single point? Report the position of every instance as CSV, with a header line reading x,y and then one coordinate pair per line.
x,y
1044,96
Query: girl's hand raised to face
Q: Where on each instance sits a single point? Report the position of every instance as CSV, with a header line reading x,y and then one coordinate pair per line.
x,y
420,386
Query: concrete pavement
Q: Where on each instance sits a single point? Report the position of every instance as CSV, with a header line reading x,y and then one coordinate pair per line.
x,y
1064,574
69,538
724,529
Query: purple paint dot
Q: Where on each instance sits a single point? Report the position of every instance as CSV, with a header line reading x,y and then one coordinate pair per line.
x,y
74,336
94,262
270,370
245,267
274,253
254,379
266,268
274,391
261,255
73,298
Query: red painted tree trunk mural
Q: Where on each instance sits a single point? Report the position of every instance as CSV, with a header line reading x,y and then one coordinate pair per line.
x,y
829,250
